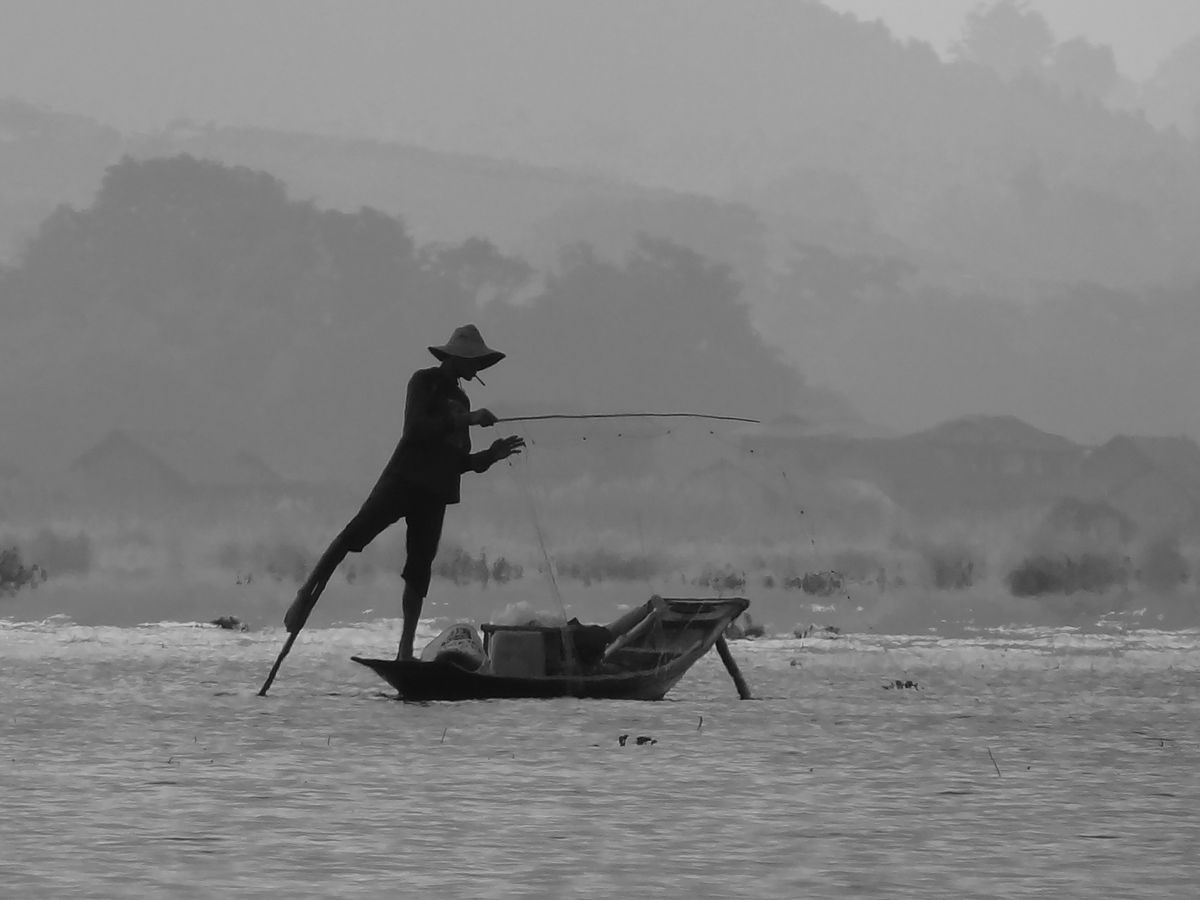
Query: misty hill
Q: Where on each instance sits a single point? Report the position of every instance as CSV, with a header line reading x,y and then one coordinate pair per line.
x,y
996,432
442,196
1156,480
46,158
973,465
162,468
51,158
191,293
978,466
839,136
923,238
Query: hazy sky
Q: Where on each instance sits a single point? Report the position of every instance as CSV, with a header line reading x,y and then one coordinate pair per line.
x,y
407,68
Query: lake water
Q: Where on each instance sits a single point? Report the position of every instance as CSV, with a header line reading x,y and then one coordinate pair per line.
x,y
1026,763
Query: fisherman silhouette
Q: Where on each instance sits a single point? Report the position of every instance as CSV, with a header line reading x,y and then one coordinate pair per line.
x,y
420,480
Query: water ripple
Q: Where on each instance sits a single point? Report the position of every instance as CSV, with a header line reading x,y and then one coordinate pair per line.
x,y
1028,763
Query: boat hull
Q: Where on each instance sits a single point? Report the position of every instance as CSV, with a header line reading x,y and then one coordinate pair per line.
x,y
422,681
643,664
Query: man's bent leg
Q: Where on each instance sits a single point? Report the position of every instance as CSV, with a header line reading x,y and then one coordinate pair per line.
x,y
324,569
378,512
310,591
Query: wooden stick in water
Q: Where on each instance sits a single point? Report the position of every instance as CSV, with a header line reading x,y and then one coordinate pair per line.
x,y
278,662
731,666
314,594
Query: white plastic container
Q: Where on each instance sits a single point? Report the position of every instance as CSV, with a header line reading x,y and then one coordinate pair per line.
x,y
518,654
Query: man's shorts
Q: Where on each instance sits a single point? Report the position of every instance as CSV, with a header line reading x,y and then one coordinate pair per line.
x,y
387,504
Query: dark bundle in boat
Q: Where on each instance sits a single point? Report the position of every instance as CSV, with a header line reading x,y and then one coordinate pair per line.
x,y
640,656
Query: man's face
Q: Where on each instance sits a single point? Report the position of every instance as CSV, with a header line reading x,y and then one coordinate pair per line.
x,y
466,368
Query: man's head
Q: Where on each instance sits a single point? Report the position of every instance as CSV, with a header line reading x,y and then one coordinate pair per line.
x,y
468,352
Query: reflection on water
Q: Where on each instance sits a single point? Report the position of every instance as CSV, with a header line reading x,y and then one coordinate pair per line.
x,y
1026,763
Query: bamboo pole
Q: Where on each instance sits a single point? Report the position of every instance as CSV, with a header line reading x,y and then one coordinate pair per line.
x,y
638,415
731,666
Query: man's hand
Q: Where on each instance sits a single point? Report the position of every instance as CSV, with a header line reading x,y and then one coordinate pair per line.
x,y
505,447
483,417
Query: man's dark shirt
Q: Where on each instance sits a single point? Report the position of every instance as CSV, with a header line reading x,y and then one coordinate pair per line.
x,y
433,451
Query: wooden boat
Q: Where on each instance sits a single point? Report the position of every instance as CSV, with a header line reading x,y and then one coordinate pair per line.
x,y
641,656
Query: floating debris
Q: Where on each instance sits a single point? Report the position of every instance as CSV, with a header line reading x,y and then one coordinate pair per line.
x,y
899,685
640,739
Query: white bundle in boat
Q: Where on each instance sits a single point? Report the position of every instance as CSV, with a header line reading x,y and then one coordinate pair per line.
x,y
459,644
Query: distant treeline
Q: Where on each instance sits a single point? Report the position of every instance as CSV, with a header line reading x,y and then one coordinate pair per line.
x,y
249,314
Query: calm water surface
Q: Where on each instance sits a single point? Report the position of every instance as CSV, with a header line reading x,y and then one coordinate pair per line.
x,y
1027,763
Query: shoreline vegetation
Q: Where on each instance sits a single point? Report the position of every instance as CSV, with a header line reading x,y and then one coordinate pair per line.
x,y
1160,565
115,574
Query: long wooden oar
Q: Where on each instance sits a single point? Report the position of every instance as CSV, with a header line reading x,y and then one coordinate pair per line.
x,y
314,595
278,662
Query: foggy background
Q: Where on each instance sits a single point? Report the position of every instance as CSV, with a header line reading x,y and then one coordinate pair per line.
x,y
945,251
